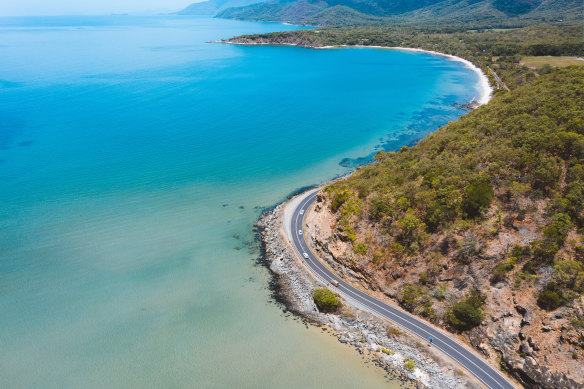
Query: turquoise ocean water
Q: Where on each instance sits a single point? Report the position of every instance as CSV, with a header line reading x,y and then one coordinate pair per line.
x,y
132,152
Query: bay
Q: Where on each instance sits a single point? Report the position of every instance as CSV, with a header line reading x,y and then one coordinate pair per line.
x,y
135,157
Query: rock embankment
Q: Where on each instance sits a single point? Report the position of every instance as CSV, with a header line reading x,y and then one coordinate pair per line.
x,y
389,347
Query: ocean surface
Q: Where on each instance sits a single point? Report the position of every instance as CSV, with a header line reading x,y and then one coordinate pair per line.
x,y
134,159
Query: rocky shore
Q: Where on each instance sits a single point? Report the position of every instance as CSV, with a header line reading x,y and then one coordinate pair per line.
x,y
388,346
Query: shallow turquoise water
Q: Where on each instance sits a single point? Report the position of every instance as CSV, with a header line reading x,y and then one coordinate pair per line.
x,y
132,151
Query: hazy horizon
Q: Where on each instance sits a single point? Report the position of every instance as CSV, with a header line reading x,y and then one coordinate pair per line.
x,y
89,7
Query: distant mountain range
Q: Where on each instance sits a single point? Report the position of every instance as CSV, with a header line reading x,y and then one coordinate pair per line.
x,y
351,12
212,7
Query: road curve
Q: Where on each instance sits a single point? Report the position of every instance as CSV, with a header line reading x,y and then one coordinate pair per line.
x,y
490,377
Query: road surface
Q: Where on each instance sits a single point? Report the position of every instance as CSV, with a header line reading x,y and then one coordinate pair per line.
x,y
486,374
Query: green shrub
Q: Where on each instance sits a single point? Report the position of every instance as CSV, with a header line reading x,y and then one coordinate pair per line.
x,y
549,300
516,190
500,271
558,229
579,252
350,233
519,252
521,278
570,275
350,208
403,203
325,300
396,248
339,199
575,200
577,321
413,295
477,197
428,310
440,292
543,251
360,248
409,364
386,351
380,207
437,215
468,313
409,226
546,173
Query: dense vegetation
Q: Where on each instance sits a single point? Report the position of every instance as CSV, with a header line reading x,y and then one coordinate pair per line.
x,y
302,13
212,7
475,13
490,169
487,213
325,300
517,161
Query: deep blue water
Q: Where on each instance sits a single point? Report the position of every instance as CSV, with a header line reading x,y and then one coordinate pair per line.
x,y
132,151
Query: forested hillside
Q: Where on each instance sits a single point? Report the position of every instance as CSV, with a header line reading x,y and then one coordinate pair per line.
x,y
520,149
479,227
478,14
302,12
212,7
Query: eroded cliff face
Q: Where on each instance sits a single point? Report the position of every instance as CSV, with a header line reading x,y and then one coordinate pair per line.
x,y
542,349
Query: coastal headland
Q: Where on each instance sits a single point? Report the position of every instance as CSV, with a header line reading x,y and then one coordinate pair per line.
x,y
384,342
465,229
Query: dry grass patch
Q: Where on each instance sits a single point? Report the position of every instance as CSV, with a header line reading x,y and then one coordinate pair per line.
x,y
560,62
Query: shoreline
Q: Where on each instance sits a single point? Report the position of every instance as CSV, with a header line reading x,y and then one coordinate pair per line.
x,y
500,334
292,283
485,88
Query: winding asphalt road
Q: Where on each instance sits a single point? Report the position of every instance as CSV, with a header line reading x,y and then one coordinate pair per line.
x,y
490,377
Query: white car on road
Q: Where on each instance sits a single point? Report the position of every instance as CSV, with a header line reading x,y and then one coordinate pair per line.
x,y
305,255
